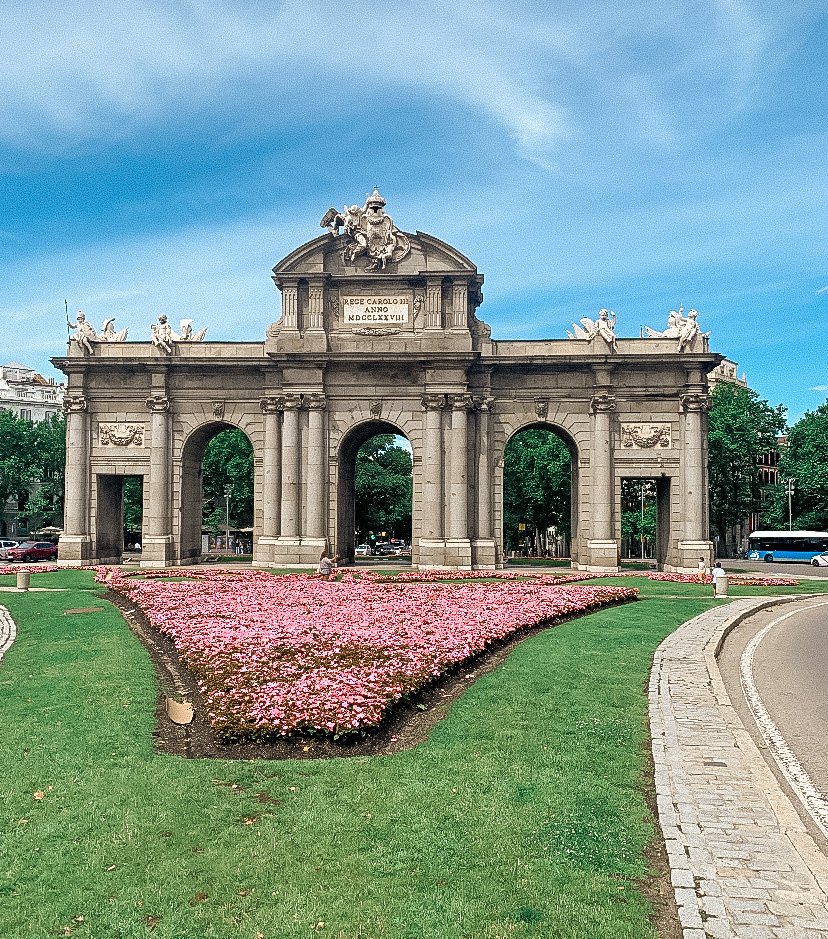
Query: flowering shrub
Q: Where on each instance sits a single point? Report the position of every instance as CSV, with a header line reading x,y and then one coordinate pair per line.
x,y
31,568
277,655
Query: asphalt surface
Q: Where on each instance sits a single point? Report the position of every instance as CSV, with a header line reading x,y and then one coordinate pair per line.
x,y
788,671
775,569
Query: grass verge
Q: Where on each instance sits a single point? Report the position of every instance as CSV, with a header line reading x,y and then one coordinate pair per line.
x,y
523,815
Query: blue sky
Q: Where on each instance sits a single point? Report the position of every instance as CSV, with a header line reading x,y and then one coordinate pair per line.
x,y
162,157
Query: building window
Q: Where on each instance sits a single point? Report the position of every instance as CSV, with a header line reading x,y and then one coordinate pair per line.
x,y
26,414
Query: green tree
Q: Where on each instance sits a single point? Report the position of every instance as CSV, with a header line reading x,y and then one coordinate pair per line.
x,y
32,461
228,461
804,459
634,523
382,487
537,485
741,428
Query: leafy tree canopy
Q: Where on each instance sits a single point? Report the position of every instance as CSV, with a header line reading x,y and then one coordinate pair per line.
x,y
537,484
383,487
228,461
805,460
741,428
32,459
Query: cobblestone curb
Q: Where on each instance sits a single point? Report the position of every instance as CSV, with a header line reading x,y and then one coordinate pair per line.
x,y
8,631
742,864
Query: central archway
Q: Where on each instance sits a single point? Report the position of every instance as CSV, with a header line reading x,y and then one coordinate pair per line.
x,y
347,521
540,492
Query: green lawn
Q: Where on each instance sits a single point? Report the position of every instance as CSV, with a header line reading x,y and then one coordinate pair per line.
x,y
522,815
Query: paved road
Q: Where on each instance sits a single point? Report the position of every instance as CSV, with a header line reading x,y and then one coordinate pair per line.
x,y
775,569
774,666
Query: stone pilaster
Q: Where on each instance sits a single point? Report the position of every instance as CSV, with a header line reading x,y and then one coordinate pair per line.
x,y
695,544
484,550
432,544
434,304
314,538
271,481
602,547
75,546
157,545
460,306
290,308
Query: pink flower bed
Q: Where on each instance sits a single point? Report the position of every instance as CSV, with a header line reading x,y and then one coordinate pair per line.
x,y
279,655
31,568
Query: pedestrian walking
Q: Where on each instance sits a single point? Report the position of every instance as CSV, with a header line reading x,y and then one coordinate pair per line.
x,y
719,580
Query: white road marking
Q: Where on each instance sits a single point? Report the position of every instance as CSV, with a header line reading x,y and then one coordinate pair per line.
x,y
814,801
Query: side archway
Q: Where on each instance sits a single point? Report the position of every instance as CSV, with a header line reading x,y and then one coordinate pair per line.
x,y
191,487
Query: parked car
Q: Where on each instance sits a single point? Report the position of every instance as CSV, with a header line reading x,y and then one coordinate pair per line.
x,y
362,551
5,544
821,560
33,551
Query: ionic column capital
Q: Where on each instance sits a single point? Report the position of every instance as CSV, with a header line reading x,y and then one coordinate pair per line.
x,y
694,401
603,403
290,402
158,403
315,402
482,403
74,404
461,402
270,405
432,402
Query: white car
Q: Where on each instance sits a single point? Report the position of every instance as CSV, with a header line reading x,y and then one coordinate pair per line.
x,y
362,551
821,560
5,544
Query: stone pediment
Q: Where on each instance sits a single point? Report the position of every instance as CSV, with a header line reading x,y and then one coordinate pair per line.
x,y
324,255
338,296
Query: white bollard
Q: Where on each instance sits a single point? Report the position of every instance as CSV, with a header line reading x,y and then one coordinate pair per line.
x,y
23,578
721,586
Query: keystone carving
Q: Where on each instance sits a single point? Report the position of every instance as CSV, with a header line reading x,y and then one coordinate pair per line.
x,y
218,409
541,408
375,408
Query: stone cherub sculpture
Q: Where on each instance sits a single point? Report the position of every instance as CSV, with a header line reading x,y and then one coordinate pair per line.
x,y
164,337
683,328
85,334
589,329
369,231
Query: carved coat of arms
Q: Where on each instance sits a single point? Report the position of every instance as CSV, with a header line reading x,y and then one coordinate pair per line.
x,y
368,231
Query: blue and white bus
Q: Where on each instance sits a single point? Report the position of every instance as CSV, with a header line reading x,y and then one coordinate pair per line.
x,y
786,545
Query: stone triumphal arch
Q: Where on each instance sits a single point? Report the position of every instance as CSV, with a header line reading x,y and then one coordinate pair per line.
x,y
379,333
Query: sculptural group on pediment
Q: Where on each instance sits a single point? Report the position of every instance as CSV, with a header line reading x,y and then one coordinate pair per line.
x,y
86,334
591,329
683,328
367,231
164,337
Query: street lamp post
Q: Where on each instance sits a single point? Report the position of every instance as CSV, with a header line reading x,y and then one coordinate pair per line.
x,y
790,485
228,490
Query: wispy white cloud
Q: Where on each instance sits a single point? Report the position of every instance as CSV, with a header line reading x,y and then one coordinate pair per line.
x,y
820,388
87,72
822,290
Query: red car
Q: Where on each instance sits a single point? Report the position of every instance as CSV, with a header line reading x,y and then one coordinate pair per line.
x,y
33,551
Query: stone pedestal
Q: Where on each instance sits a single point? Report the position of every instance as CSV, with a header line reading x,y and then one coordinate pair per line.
x,y
484,554
602,556
157,551
689,555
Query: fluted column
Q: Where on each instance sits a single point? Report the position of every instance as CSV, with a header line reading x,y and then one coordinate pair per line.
x,y
271,469
158,537
315,488
432,485
75,542
434,304
291,462
695,406
458,474
602,405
